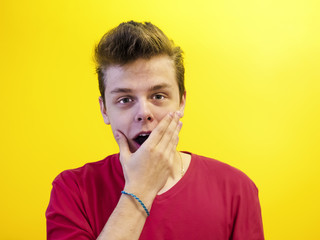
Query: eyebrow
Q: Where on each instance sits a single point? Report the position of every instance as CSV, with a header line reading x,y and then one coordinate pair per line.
x,y
159,87
121,90
128,90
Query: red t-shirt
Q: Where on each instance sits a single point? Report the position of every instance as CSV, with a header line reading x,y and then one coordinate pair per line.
x,y
212,201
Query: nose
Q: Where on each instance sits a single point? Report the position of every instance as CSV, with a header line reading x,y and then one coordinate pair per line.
x,y
144,113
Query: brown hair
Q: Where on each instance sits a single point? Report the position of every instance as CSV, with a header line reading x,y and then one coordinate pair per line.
x,y
132,40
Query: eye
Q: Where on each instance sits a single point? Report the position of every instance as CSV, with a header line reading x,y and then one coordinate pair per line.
x,y
158,96
125,100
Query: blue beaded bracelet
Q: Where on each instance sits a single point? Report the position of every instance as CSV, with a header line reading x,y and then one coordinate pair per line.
x,y
138,199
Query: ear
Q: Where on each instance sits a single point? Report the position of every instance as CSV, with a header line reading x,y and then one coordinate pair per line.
x,y
103,111
183,103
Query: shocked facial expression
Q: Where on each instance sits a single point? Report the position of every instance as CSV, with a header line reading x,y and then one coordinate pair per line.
x,y
138,95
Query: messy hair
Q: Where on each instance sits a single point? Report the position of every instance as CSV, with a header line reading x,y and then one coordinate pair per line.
x,y
131,41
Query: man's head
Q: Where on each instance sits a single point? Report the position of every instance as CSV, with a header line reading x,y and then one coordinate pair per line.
x,y
141,80
131,41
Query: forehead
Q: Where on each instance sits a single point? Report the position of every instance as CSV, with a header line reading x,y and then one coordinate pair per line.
x,y
142,72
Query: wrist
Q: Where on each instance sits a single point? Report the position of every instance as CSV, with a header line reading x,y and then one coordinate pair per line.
x,y
147,197
139,201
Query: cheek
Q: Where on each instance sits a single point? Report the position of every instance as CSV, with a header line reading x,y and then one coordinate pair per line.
x,y
162,113
161,116
120,124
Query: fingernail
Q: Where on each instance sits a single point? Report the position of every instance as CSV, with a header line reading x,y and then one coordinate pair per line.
x,y
178,113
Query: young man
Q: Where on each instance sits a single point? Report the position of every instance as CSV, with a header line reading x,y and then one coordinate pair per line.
x,y
149,190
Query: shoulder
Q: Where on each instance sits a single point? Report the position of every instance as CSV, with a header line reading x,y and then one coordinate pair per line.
x,y
222,173
109,165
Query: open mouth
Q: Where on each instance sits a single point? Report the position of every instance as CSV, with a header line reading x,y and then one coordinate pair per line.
x,y
141,138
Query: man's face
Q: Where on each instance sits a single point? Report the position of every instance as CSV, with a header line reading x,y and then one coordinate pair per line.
x,y
138,95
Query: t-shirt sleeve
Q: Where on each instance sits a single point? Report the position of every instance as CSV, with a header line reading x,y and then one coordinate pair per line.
x,y
247,213
66,215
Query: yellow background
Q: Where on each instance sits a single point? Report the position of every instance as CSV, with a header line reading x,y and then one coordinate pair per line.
x,y
252,78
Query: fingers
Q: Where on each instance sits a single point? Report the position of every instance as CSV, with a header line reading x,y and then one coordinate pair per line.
x,y
170,148
171,138
175,137
123,145
158,133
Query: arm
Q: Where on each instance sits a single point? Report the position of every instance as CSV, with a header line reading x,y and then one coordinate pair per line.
x,y
248,220
146,172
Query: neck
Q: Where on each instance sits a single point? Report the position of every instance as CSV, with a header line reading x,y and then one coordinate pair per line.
x,y
176,173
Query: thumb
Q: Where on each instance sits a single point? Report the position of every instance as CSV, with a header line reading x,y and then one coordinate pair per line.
x,y
123,145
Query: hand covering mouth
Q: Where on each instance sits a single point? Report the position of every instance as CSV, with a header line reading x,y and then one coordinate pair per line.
x,y
141,138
